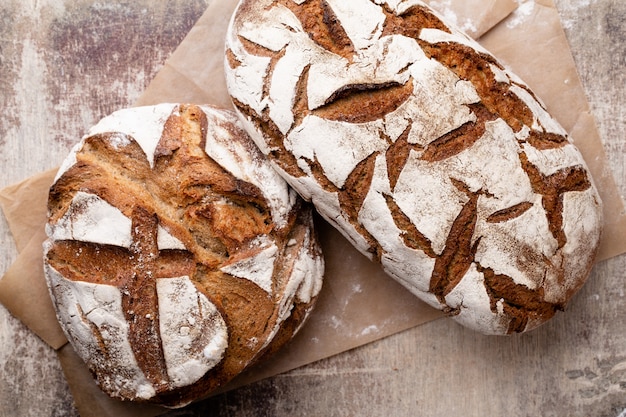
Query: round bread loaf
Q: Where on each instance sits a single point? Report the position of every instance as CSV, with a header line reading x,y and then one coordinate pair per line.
x,y
176,256
423,150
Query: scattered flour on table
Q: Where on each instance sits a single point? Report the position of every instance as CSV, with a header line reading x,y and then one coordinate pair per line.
x,y
572,8
521,14
569,8
444,7
372,329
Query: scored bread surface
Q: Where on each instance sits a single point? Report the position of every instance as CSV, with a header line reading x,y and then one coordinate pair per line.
x,y
176,256
422,149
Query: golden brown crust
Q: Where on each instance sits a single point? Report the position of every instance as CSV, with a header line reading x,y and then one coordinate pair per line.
x,y
219,219
416,111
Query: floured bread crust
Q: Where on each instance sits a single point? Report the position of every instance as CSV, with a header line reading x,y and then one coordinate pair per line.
x,y
423,150
176,256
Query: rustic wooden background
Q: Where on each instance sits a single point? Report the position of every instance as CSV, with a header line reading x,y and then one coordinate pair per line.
x,y
66,63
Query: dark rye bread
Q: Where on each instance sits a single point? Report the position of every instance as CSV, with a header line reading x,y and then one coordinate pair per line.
x,y
429,155
176,256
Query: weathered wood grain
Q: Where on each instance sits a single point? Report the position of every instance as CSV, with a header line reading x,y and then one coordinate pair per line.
x,y
64,64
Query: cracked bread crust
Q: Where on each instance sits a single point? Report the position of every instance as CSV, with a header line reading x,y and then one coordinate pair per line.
x,y
176,256
428,154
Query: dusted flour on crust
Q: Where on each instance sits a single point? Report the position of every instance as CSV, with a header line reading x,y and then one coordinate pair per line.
x,y
176,256
422,149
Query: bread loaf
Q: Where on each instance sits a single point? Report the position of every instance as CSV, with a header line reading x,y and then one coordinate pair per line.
x,y
176,257
428,154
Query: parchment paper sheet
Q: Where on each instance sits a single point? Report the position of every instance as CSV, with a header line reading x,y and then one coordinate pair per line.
x,y
358,303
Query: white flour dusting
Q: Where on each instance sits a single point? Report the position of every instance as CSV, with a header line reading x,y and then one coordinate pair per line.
x,y
572,8
523,12
444,7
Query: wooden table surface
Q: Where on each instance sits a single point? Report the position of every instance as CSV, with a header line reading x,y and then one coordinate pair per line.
x,y
66,63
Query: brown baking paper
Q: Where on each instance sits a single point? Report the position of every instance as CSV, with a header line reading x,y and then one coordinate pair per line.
x,y
358,303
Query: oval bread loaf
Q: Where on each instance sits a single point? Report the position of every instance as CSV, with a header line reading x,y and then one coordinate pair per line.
x,y
422,149
176,255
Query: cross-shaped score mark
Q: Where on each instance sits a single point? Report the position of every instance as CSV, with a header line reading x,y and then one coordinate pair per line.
x,y
140,273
